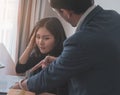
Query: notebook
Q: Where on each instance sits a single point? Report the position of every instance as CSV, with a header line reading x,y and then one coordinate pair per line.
x,y
6,81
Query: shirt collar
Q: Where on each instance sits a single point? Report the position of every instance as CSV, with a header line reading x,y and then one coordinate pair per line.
x,y
85,15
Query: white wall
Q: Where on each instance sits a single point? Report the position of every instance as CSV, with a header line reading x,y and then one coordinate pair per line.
x,y
49,12
106,4
109,4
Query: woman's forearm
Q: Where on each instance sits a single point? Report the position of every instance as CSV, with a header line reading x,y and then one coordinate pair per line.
x,y
24,57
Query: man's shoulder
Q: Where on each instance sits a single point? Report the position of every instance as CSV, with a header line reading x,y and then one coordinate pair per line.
x,y
77,37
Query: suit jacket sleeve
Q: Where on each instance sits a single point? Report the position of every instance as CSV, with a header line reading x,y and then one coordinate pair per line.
x,y
69,63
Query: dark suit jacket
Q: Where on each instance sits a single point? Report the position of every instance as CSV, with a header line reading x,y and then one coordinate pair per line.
x,y
90,61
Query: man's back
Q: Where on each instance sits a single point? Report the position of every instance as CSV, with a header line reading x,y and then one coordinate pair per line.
x,y
98,55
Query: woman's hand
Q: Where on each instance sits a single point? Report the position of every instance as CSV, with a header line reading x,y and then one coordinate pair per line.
x,y
25,55
47,60
32,42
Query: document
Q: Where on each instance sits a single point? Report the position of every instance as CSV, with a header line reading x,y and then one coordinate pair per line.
x,y
6,81
2,65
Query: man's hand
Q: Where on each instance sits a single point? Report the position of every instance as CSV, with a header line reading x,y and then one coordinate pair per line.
x,y
22,84
15,86
46,61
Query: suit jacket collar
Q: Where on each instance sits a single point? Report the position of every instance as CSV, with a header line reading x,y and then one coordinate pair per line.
x,y
96,10
85,15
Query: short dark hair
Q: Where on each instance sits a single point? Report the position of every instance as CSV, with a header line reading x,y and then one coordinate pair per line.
x,y
77,6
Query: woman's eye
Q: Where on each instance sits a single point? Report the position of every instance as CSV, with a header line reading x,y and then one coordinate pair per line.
x,y
37,37
46,38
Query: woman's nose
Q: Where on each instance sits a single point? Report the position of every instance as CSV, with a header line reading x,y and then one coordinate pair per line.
x,y
41,41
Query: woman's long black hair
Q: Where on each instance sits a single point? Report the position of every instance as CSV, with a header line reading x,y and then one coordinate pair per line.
x,y
54,26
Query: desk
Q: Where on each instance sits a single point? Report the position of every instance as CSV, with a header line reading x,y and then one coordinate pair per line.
x,y
9,68
6,59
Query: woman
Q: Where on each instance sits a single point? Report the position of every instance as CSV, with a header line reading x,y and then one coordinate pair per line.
x,y
46,38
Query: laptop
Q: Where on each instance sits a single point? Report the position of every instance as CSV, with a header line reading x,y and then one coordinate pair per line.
x,y
6,81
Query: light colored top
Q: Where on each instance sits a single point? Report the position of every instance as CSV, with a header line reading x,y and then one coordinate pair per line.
x,y
85,15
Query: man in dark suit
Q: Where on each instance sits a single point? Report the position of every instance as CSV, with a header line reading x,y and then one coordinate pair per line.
x,y
90,61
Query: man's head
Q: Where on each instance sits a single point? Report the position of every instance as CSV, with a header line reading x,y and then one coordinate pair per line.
x,y
69,9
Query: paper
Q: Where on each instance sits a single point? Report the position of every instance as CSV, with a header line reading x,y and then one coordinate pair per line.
x,y
2,65
6,81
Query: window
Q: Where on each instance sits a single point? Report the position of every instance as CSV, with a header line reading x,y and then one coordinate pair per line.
x,y
8,25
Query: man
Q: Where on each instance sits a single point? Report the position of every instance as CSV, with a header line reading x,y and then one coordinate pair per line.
x,y
90,61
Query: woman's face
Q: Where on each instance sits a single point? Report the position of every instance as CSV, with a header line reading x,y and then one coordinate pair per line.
x,y
44,40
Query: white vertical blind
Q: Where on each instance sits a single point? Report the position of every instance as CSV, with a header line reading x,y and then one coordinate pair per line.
x,y
8,24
